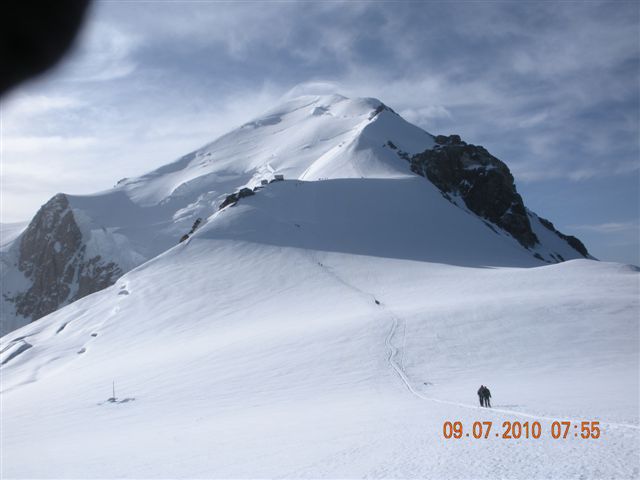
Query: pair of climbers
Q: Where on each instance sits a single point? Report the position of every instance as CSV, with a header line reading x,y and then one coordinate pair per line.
x,y
485,395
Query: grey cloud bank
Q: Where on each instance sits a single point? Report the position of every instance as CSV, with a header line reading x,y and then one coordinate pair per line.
x,y
550,88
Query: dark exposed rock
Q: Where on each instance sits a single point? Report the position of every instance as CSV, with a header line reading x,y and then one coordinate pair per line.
x,y
449,140
379,109
234,197
196,224
94,274
403,155
547,224
391,145
486,186
481,180
576,244
245,192
194,227
230,200
53,258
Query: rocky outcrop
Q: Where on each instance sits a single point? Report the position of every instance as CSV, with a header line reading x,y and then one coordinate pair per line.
x,y
379,109
483,182
53,258
234,197
195,226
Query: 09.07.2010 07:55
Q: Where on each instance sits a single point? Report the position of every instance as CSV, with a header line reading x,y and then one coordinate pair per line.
x,y
516,430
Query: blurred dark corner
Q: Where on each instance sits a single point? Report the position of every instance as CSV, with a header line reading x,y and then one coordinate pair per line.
x,y
35,35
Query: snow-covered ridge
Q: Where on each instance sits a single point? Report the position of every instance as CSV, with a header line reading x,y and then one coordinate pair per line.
x,y
292,139
309,138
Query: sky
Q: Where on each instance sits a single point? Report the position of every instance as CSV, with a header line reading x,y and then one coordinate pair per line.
x,y
550,88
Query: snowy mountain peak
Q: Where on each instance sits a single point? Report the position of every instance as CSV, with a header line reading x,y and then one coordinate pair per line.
x,y
308,137
305,139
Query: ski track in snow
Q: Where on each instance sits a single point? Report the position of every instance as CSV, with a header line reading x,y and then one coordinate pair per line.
x,y
398,368
393,353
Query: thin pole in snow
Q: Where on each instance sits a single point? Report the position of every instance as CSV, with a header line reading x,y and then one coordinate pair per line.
x,y
114,389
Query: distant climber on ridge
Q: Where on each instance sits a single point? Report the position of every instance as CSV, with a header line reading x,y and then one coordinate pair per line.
x,y
485,395
481,395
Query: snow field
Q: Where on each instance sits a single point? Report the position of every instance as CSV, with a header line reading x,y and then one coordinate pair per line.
x,y
250,354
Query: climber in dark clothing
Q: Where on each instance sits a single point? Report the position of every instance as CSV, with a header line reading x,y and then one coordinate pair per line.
x,y
481,395
484,395
487,396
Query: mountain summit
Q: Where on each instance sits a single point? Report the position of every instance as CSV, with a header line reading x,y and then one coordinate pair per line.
x,y
76,245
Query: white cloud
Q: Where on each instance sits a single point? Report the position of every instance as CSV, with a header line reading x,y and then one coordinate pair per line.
x,y
423,115
609,227
532,120
38,104
45,145
105,52
314,88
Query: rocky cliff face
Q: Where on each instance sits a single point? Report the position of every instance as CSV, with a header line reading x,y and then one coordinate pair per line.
x,y
484,183
53,258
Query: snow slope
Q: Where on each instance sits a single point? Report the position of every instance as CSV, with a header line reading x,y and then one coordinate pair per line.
x,y
327,329
308,138
9,232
